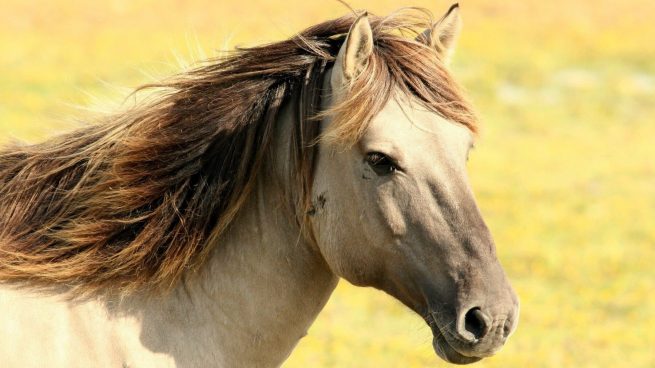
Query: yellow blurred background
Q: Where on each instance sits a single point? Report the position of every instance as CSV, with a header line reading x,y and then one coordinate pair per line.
x,y
564,169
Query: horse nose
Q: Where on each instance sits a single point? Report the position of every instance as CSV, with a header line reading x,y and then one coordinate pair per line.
x,y
476,325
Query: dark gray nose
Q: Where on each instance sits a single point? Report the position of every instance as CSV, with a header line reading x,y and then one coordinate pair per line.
x,y
476,324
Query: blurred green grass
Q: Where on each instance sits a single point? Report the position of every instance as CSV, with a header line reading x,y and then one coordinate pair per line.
x,y
564,169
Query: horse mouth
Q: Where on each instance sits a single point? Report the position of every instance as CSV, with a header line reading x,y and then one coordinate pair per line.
x,y
448,353
443,348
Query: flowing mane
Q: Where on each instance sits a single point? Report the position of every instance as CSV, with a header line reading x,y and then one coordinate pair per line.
x,y
138,198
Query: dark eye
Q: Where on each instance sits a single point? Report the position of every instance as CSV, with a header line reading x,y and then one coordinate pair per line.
x,y
381,163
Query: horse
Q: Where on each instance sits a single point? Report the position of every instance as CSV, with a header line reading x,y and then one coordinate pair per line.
x,y
208,224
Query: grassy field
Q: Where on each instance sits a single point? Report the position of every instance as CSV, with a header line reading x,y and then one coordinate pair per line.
x,y
564,170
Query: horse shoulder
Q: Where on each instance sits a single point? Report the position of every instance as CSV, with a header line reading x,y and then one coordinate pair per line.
x,y
49,331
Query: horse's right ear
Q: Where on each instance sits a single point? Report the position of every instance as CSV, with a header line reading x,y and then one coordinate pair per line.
x,y
354,53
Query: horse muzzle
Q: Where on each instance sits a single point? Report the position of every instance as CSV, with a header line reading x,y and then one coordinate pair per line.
x,y
476,335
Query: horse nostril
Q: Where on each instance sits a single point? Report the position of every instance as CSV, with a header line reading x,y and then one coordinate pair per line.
x,y
476,323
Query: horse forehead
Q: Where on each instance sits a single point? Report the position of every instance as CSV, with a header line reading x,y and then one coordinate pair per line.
x,y
410,124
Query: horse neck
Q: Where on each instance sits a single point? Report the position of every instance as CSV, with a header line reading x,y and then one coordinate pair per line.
x,y
263,283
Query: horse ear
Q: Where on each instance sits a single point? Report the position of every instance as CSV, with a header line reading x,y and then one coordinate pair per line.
x,y
354,53
443,34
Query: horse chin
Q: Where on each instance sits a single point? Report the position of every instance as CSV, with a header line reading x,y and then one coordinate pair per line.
x,y
447,353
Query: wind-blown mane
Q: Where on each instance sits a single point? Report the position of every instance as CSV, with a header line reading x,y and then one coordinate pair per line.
x,y
139,198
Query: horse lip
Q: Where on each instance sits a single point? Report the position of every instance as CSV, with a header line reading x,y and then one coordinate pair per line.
x,y
446,352
444,349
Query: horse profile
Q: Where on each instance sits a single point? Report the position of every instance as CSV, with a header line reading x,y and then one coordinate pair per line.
x,y
208,226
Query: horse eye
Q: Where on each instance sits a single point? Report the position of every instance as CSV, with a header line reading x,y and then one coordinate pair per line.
x,y
381,163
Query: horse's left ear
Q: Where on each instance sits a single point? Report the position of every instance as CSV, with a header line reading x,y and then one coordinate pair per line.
x,y
443,34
